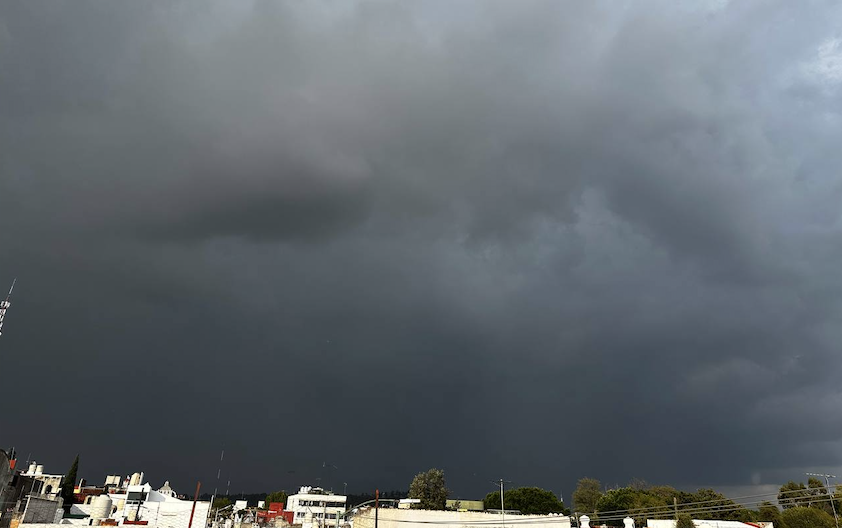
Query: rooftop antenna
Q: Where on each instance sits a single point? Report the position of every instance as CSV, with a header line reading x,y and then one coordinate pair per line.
x,y
4,305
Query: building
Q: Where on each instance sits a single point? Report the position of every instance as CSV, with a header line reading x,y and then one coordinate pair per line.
x,y
7,469
50,485
273,513
139,504
315,507
36,509
31,496
411,518
464,505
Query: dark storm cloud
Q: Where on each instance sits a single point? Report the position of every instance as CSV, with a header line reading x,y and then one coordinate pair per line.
x,y
530,239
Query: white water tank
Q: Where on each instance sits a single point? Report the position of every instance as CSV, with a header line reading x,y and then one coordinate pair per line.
x,y
101,507
32,467
135,480
39,469
584,521
628,522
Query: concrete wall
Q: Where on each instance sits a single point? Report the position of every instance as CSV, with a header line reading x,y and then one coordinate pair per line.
x,y
668,523
41,510
396,518
5,472
174,514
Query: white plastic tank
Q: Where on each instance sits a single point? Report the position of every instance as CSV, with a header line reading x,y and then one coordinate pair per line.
x,y
101,507
628,522
584,521
135,480
32,467
39,469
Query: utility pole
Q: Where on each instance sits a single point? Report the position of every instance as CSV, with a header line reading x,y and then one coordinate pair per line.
x,y
829,494
502,501
195,498
675,505
376,506
216,488
4,305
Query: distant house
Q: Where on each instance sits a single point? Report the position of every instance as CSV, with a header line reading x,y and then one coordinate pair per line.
x,y
315,507
464,505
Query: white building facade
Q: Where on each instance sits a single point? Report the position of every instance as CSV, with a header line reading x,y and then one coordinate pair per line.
x,y
314,507
140,503
50,484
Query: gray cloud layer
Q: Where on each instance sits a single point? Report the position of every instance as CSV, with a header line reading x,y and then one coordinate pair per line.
x,y
531,239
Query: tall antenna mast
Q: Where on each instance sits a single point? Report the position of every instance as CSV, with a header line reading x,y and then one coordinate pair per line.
x,y
4,305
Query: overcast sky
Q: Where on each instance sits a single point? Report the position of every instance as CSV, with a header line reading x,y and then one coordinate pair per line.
x,y
536,240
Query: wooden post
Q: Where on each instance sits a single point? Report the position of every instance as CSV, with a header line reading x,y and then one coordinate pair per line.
x,y
193,511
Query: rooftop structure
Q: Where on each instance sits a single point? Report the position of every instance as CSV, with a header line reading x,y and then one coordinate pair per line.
x,y
315,507
50,485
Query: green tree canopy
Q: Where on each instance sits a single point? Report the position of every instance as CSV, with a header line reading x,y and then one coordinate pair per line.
x,y
221,502
768,512
817,495
684,521
276,496
530,501
716,505
587,494
793,495
69,483
430,488
638,503
813,495
801,517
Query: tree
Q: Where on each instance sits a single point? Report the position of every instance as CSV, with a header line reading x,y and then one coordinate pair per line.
x,y
818,496
636,502
768,512
792,495
221,502
69,483
277,496
684,521
587,494
430,488
529,501
801,517
718,506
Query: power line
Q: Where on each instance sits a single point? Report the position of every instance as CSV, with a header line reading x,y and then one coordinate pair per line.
x,y
711,501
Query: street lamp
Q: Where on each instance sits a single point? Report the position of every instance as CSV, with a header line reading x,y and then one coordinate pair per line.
x,y
827,486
